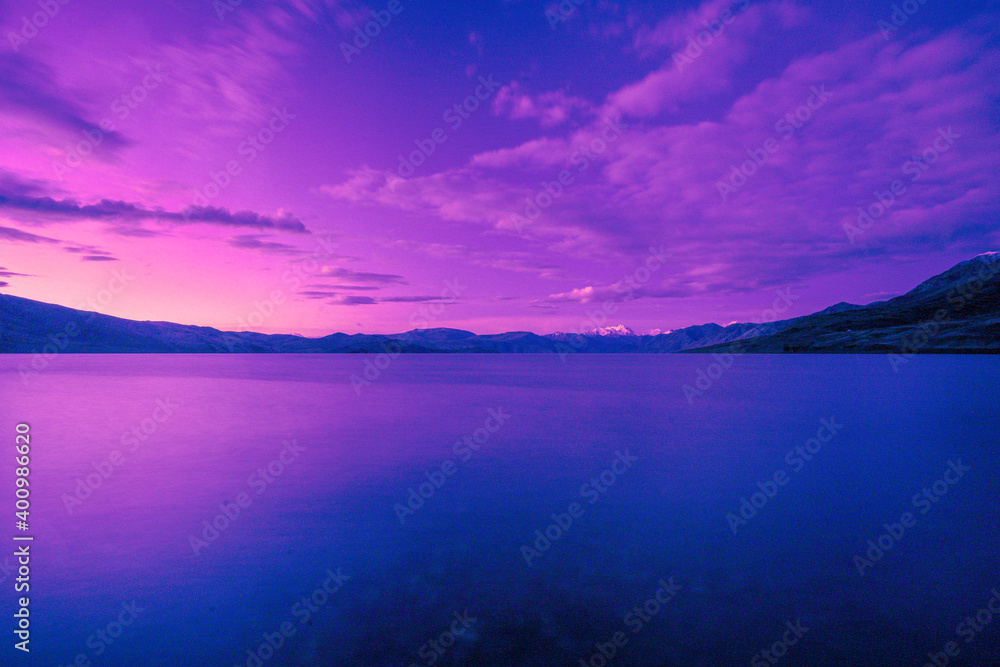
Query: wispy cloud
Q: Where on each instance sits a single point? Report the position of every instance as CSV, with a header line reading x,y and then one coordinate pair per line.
x,y
43,209
342,273
551,108
12,234
29,87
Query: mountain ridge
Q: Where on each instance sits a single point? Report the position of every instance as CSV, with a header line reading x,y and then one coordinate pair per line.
x,y
955,311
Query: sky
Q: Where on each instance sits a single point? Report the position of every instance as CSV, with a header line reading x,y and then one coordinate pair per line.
x,y
313,166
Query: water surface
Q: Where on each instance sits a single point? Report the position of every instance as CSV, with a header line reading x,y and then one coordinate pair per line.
x,y
213,425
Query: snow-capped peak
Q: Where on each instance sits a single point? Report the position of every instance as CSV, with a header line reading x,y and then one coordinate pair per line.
x,y
617,330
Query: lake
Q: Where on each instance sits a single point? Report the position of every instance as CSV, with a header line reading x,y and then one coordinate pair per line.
x,y
508,509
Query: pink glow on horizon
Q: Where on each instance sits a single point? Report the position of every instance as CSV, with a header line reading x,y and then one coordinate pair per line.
x,y
292,155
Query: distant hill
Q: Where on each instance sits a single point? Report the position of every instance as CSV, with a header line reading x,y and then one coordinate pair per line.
x,y
956,311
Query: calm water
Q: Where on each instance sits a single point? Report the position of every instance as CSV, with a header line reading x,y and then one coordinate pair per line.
x,y
666,473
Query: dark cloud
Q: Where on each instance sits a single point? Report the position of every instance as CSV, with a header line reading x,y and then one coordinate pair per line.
x,y
223,216
412,299
29,87
670,289
318,294
127,212
12,234
136,232
352,300
256,242
363,276
94,254
355,288
15,184
7,274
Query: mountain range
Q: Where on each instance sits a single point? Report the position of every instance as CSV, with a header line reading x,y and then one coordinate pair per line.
x,y
957,311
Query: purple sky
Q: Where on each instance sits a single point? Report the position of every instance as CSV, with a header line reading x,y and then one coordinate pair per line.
x,y
736,139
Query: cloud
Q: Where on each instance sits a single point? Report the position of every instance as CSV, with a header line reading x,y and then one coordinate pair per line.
x,y
660,181
692,281
345,14
588,294
707,57
93,253
368,281
351,300
12,234
84,249
413,299
256,242
228,78
476,41
89,253
28,87
327,288
137,232
14,184
335,298
361,276
550,108
317,293
517,261
43,209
